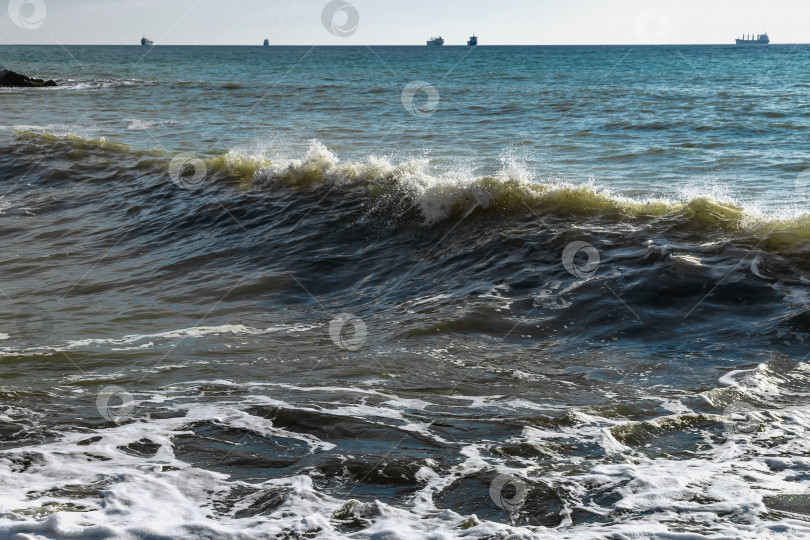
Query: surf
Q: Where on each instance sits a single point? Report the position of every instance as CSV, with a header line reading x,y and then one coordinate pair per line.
x,y
393,188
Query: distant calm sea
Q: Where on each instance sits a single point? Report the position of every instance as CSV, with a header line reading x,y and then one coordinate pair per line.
x,y
405,292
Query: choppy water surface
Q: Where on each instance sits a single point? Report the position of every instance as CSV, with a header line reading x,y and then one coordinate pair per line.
x,y
250,293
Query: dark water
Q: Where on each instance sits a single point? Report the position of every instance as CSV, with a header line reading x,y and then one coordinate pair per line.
x,y
248,294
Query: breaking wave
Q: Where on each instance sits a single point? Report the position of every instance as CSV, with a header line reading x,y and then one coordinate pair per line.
x,y
412,188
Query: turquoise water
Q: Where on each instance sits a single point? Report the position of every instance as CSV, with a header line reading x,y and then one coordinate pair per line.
x,y
404,292
640,119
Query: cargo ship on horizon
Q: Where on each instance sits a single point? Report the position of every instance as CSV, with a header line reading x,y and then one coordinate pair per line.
x,y
761,39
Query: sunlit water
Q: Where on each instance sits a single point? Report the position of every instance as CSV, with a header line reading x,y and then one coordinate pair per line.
x,y
254,292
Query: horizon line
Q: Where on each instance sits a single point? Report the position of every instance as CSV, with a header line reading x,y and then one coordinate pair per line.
x,y
382,45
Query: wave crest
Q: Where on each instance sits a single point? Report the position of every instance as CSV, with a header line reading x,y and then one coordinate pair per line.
x,y
511,192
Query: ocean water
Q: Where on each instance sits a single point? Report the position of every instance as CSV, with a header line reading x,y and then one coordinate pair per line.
x,y
400,292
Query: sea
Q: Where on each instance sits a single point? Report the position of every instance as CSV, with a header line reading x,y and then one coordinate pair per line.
x,y
400,293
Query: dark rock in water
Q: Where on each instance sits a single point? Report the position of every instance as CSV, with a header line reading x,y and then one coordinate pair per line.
x,y
16,80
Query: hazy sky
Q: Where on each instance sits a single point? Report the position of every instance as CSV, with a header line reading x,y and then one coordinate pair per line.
x,y
401,22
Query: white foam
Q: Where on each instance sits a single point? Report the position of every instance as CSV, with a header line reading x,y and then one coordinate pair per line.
x,y
139,125
194,332
134,496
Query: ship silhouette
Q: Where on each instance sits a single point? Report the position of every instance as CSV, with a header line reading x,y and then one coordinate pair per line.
x,y
761,39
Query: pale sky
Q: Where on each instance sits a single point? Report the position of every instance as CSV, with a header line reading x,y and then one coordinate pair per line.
x,y
402,22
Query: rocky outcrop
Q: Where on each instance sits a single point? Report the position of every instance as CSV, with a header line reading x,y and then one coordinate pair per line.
x,y
16,80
